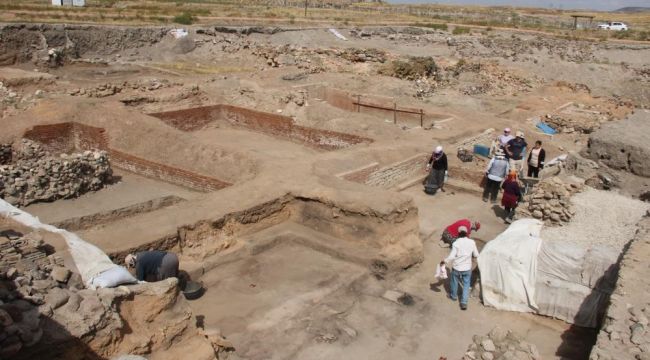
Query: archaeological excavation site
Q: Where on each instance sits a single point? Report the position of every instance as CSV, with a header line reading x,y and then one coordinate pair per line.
x,y
285,168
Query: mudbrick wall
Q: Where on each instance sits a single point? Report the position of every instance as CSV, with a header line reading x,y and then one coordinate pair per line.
x,y
66,137
625,334
271,124
390,175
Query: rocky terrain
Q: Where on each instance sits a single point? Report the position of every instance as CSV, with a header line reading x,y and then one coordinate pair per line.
x,y
501,344
34,175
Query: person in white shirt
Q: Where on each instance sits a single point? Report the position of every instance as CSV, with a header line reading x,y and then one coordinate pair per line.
x,y
505,137
460,261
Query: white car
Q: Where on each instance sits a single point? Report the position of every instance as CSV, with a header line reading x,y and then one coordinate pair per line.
x,y
614,25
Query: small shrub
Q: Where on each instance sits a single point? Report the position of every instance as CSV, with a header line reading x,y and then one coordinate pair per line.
x,y
434,26
459,30
413,68
644,36
185,19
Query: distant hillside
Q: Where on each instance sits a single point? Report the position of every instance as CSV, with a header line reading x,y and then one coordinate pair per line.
x,y
631,9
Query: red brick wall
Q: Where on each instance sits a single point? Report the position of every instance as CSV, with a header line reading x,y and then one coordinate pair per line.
x,y
190,119
55,138
282,126
272,124
164,172
68,137
89,137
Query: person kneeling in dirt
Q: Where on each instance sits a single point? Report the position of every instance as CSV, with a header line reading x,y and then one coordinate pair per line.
x,y
452,232
460,260
153,265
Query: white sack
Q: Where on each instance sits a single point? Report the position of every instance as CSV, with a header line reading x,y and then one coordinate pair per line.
x,y
114,277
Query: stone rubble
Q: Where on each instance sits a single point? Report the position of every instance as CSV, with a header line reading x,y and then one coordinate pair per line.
x,y
582,119
45,311
516,48
550,201
26,288
501,344
35,175
108,89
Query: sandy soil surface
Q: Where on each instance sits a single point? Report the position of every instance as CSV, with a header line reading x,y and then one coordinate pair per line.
x,y
317,306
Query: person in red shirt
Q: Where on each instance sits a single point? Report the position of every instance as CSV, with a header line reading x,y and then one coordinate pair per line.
x,y
450,234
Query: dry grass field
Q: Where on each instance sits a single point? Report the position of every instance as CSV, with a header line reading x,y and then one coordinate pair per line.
x,y
156,12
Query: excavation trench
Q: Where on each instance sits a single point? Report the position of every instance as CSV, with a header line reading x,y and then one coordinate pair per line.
x,y
278,126
71,136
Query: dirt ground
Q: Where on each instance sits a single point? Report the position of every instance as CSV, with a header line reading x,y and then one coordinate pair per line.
x,y
291,300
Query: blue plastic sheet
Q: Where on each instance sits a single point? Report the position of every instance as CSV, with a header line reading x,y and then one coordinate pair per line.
x,y
547,129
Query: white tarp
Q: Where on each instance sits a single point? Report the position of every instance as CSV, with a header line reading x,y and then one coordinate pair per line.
x,y
574,281
522,272
338,34
508,266
89,259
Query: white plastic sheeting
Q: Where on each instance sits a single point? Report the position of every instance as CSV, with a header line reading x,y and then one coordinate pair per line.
x,y
574,281
89,259
338,34
508,266
522,272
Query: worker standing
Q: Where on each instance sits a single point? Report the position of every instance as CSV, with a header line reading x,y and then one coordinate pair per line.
x,y
460,261
153,265
437,167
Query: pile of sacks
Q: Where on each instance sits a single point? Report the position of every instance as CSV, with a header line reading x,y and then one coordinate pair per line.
x,y
550,201
35,176
501,344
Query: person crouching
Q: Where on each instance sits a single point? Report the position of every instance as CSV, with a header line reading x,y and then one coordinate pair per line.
x,y
153,265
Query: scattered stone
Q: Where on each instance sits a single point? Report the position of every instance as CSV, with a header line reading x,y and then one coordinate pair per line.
x,y
501,344
60,274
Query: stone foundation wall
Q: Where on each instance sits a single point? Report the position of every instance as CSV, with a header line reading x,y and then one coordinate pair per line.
x,y
625,334
391,175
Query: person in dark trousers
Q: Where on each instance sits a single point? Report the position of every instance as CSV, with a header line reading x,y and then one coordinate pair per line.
x,y
511,196
437,167
495,173
536,160
153,265
515,151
